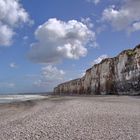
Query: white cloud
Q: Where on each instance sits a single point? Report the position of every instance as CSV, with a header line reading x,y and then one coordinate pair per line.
x,y
100,29
6,34
12,14
13,65
126,17
94,1
99,59
87,21
82,74
135,27
50,75
6,85
58,40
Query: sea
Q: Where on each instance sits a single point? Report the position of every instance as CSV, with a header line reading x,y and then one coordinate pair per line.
x,y
19,98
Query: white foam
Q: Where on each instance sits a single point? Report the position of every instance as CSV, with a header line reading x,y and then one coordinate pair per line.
x,y
12,98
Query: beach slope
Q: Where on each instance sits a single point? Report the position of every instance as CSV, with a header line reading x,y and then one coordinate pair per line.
x,y
72,118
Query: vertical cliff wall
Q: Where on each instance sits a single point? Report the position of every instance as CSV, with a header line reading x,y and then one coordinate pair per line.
x,y
118,75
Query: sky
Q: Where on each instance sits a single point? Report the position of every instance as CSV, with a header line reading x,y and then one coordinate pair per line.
x,y
44,43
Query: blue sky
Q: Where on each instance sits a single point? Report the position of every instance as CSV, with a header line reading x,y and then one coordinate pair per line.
x,y
43,43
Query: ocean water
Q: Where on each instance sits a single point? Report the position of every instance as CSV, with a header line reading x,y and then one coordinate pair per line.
x,y
18,98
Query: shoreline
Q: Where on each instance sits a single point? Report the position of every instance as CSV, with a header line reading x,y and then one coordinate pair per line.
x,y
59,97
19,98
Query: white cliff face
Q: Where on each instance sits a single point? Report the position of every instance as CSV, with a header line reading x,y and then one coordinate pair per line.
x,y
120,66
87,81
95,78
118,75
128,72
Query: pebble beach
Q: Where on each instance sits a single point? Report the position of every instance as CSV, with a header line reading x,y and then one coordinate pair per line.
x,y
72,118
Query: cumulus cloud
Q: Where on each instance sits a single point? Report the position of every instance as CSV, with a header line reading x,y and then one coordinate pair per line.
x,y
13,65
135,27
99,59
126,17
50,75
12,14
58,40
6,34
87,21
100,29
94,1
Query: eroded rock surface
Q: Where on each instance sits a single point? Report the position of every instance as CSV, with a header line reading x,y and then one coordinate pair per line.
x,y
118,75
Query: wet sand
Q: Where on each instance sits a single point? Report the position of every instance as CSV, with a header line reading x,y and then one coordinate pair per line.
x,y
72,118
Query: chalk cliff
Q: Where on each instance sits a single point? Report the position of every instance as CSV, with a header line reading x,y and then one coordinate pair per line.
x,y
118,75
